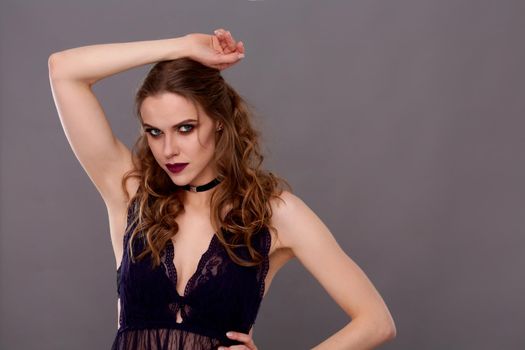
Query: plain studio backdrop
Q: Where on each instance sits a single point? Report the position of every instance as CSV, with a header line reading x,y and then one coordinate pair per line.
x,y
400,123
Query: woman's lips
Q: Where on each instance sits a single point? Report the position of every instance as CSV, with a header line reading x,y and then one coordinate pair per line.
x,y
177,167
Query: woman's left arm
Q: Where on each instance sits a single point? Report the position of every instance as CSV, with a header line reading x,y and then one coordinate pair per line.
x,y
301,230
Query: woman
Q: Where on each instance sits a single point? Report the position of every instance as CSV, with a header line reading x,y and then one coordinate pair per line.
x,y
195,170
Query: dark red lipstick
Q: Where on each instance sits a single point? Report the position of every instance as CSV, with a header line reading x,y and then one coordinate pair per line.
x,y
177,167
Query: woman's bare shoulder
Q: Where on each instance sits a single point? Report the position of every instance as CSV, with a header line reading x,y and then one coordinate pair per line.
x,y
295,222
280,206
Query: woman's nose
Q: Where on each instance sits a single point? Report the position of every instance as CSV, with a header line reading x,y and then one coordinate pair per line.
x,y
170,147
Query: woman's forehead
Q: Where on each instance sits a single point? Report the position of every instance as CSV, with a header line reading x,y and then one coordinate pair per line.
x,y
170,108
167,104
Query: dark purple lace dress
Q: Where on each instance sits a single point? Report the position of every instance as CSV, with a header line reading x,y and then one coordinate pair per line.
x,y
221,296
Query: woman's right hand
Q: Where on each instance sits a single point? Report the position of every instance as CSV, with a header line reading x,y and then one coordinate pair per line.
x,y
218,51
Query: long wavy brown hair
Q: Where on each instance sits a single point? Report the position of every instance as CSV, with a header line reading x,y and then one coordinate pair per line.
x,y
245,190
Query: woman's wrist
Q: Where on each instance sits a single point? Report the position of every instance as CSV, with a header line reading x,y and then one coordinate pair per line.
x,y
177,47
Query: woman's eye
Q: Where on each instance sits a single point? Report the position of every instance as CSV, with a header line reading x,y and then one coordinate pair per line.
x,y
187,130
149,131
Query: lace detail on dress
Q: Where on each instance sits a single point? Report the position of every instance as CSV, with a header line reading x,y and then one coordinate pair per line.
x,y
261,275
211,268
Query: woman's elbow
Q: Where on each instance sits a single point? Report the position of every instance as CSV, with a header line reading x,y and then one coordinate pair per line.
x,y
385,327
388,332
391,332
388,326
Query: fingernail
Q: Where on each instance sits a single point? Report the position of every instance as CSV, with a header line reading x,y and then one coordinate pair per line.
x,y
229,334
241,55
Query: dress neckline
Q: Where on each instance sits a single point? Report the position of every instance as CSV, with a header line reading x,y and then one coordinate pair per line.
x,y
172,270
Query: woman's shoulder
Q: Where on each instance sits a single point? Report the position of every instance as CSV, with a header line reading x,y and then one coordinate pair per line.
x,y
284,207
284,198
294,221
284,204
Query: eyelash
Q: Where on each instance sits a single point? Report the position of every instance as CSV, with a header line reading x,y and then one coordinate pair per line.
x,y
183,132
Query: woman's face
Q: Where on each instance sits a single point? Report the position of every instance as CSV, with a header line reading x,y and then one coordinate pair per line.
x,y
179,133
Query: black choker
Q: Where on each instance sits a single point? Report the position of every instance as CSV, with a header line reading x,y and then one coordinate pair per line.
x,y
201,188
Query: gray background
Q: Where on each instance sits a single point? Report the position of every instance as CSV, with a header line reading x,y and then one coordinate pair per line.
x,y
400,123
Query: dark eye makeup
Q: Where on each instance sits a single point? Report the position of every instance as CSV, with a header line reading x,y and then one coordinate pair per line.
x,y
156,132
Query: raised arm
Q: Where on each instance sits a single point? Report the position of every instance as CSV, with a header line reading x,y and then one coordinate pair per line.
x,y
72,73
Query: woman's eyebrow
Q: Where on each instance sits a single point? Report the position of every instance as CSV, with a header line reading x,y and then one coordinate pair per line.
x,y
175,126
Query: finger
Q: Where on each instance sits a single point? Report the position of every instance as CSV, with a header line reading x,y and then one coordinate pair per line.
x,y
216,44
231,40
240,47
219,33
242,337
222,33
225,42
